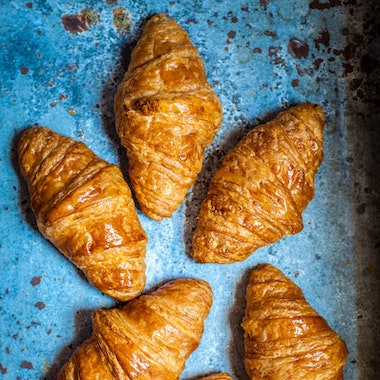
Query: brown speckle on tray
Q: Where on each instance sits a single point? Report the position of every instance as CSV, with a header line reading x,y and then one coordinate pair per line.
x,y
29,5
323,39
318,4
297,48
77,23
317,63
122,20
361,209
295,83
24,70
264,3
231,34
36,280
191,21
39,305
270,33
26,364
2,369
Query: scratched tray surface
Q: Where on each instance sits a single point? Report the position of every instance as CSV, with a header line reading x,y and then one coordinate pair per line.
x,y
61,62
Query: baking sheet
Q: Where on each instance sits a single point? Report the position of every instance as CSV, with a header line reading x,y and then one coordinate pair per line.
x,y
60,63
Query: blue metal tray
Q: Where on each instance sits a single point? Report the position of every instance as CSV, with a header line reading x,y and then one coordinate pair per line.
x,y
60,63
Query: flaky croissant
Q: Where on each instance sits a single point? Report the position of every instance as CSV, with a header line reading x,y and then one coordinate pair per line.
x,y
284,337
166,115
85,208
150,337
257,195
217,376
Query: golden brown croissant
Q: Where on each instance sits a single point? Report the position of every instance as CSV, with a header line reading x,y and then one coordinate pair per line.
x,y
166,115
217,376
284,337
258,194
85,208
150,337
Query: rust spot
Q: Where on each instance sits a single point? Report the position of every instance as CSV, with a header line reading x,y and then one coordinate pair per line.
x,y
317,63
2,369
264,4
122,20
361,209
323,39
348,69
276,61
72,67
367,64
234,19
29,5
39,305
191,21
36,280
301,72
317,4
295,83
73,24
27,365
24,70
231,34
78,23
257,50
111,1
297,48
245,9
270,33
273,51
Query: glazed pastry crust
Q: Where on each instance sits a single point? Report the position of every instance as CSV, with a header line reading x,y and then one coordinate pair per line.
x,y
150,337
284,337
257,195
217,376
166,115
85,208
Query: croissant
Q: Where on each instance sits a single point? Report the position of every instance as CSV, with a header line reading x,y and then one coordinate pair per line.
x,y
166,114
217,376
257,195
284,337
150,337
85,208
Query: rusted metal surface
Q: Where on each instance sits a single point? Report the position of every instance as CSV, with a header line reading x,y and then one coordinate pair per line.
x,y
60,63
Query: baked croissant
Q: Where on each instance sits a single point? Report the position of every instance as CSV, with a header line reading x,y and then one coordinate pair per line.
x,y
85,208
150,337
284,337
166,115
257,195
217,376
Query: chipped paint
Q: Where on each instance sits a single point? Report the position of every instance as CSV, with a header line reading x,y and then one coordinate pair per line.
x,y
81,22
